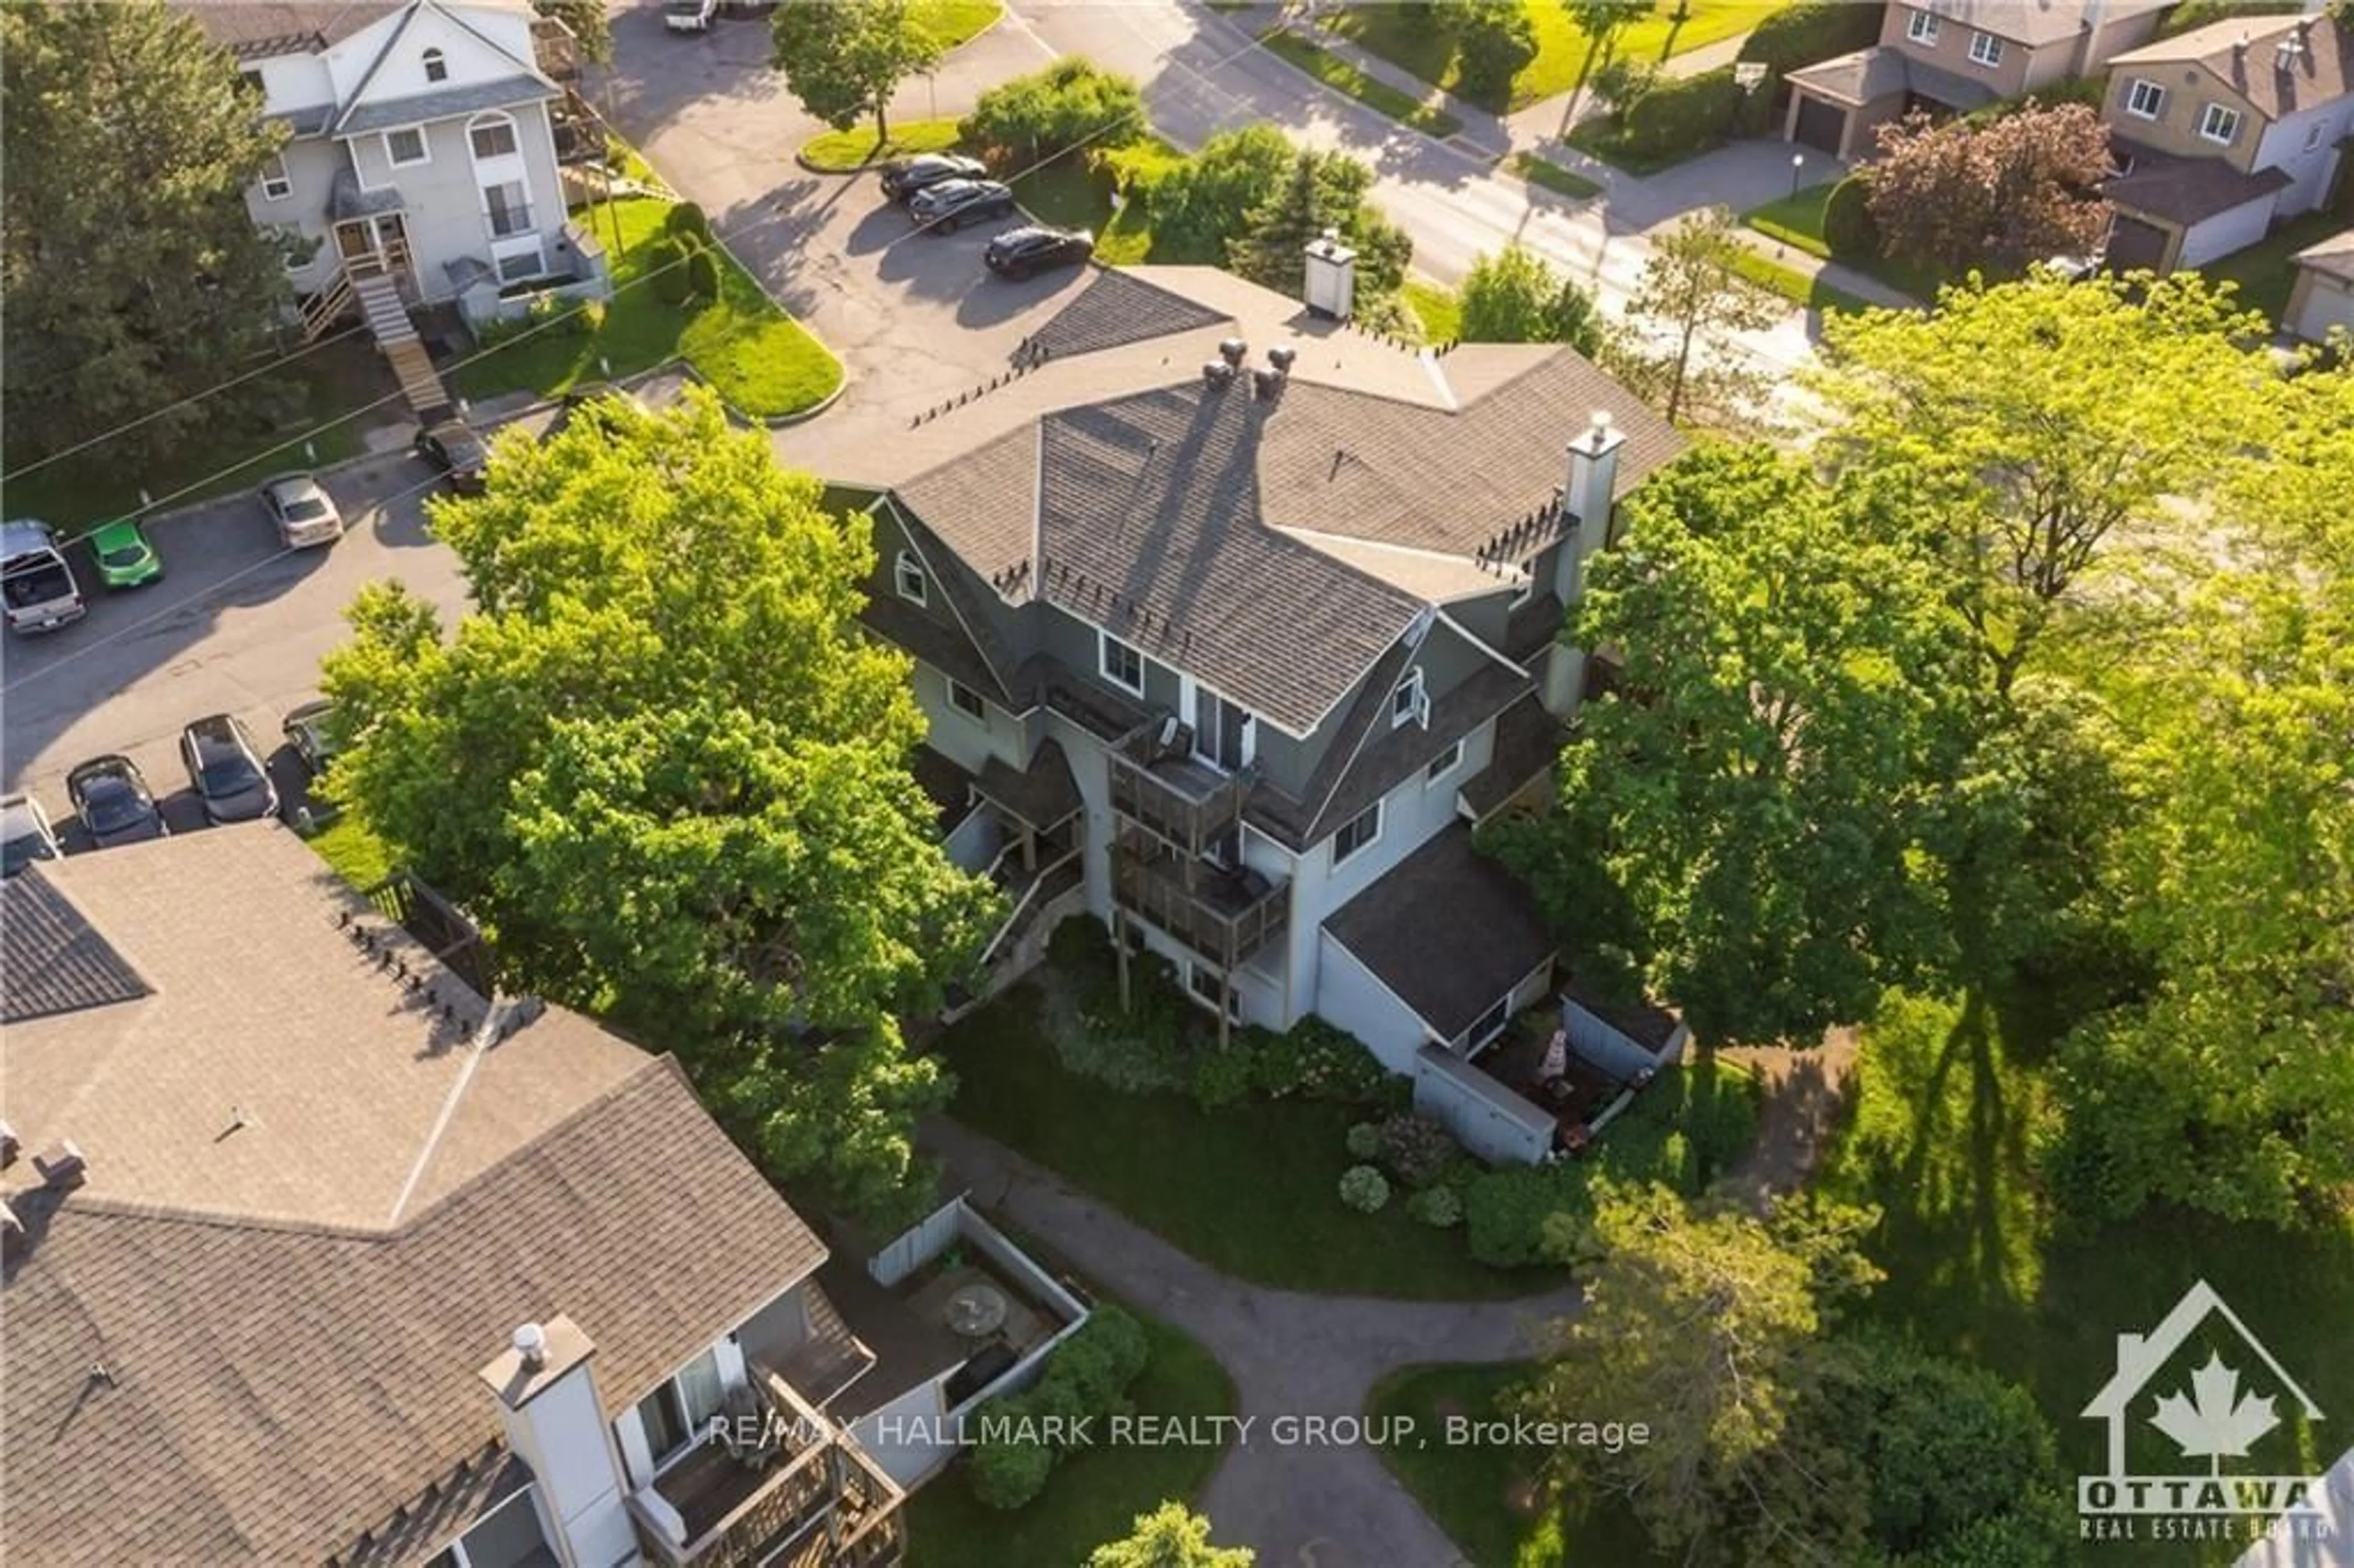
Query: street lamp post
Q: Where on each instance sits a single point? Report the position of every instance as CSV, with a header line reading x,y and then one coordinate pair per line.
x,y
1797,168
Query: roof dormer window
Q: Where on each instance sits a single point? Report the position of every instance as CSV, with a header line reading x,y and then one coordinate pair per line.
x,y
437,66
1410,702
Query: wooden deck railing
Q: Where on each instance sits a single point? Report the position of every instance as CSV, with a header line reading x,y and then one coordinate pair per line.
x,y
1212,913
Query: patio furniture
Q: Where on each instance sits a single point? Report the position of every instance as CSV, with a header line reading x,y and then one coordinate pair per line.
x,y
976,1311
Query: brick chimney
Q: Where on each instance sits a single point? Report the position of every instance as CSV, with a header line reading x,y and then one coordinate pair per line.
x,y
555,1423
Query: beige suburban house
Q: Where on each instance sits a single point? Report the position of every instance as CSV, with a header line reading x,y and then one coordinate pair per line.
x,y
316,1254
1949,57
2321,301
1230,622
2222,132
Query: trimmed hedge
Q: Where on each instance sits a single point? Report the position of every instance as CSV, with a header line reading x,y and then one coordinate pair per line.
x,y
1848,227
1805,33
1680,117
1087,1374
665,264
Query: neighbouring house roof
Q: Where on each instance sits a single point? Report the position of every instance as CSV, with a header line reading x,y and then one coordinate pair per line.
x,y
1447,930
1870,75
1527,743
415,109
2183,191
1042,794
1274,548
266,28
2334,256
288,1350
2243,53
53,961
2035,22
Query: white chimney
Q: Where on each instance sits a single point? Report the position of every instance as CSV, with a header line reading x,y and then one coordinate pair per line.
x,y
555,1423
1586,496
1331,288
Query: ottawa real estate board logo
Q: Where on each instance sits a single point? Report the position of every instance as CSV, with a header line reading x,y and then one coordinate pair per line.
x,y
2200,1389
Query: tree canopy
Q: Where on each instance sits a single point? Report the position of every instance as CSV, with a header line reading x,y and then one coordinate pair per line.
x,y
1071,103
587,21
844,58
134,275
1742,823
1998,194
665,768
1170,1536
1515,296
1689,294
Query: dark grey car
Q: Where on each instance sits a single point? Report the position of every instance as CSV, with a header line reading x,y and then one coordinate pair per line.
x,y
225,770
952,203
113,802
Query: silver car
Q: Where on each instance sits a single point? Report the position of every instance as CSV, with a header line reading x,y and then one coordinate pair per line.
x,y
25,834
305,513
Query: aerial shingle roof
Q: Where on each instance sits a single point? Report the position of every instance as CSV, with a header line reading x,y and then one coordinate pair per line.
x,y
1449,968
2279,64
51,960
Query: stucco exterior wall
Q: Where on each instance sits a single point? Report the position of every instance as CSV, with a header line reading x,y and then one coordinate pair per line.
x,y
312,165
2304,146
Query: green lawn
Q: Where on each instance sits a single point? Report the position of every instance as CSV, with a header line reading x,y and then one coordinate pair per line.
x,y
1250,1191
1797,221
759,358
1551,176
222,456
2263,270
1948,1102
1436,307
1794,286
847,151
954,22
353,852
1599,138
1342,77
1564,54
1482,1494
1095,1494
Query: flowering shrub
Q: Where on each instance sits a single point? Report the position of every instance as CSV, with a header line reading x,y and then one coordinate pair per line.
x,y
1222,1077
1437,1207
1417,1149
1365,1189
1315,1060
1364,1140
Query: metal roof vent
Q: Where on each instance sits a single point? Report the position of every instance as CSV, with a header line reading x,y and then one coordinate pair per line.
x,y
9,1145
1267,386
1218,373
531,1345
1282,355
61,1166
1233,350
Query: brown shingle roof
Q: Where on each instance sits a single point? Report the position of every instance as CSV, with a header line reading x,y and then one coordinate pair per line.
x,y
2185,190
2334,256
2320,70
2035,22
256,30
51,960
285,1363
1447,930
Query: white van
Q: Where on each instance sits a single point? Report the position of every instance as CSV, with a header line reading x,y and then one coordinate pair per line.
x,y
37,586
688,16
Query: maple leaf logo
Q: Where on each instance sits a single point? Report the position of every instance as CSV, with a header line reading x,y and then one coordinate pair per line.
x,y
2217,1419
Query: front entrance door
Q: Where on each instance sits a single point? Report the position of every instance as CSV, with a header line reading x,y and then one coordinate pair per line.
x,y
378,244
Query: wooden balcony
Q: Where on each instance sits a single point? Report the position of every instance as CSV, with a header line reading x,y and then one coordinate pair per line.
x,y
1223,916
817,1501
1180,800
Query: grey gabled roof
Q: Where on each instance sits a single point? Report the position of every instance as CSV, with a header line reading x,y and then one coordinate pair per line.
x,y
1117,309
417,108
258,29
52,960
2184,190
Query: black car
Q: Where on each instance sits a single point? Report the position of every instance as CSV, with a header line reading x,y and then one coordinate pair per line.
x,y
952,203
1031,248
225,770
113,802
310,732
454,449
903,177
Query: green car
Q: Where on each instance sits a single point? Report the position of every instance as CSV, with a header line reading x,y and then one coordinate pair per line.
x,y
125,559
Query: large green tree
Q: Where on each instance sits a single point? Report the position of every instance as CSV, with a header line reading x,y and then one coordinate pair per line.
x,y
1055,110
2047,417
844,58
1707,1327
1515,296
1743,824
1170,1536
1317,192
587,21
1669,351
133,276
662,766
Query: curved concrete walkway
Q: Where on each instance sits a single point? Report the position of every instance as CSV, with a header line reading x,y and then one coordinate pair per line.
x,y
1300,1505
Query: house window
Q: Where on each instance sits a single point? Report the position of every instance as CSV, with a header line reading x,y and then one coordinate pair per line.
x,y
508,207
1985,49
437,68
1445,763
277,184
252,78
2218,123
907,577
492,136
1489,1025
2145,100
1921,29
1357,832
1209,988
405,146
517,265
673,1413
967,700
2313,136
1408,703
1122,665
507,1537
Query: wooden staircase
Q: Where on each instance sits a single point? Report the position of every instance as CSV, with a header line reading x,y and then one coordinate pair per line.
x,y
326,307
387,320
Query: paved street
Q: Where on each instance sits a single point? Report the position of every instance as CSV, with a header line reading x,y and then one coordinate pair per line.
x,y
237,625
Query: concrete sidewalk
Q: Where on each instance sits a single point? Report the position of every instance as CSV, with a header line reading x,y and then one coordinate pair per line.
x,y
1483,132
1289,1355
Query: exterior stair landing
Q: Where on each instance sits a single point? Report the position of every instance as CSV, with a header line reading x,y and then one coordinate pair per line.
x,y
388,321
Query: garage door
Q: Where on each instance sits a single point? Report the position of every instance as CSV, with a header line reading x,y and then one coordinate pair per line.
x,y
2133,243
1821,124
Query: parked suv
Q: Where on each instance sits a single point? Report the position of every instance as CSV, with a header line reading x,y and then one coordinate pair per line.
x,y
225,770
113,802
452,446
903,177
1031,248
35,581
305,513
952,204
